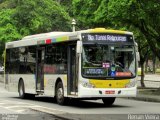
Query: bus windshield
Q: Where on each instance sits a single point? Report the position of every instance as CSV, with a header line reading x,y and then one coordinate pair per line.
x,y
108,61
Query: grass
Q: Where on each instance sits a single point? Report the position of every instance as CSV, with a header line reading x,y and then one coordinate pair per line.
x,y
158,71
139,71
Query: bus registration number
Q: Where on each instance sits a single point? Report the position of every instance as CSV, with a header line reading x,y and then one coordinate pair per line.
x,y
110,92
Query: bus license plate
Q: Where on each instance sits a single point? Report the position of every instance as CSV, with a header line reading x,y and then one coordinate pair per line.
x,y
110,92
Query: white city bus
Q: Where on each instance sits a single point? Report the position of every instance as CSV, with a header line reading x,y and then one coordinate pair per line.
x,y
87,64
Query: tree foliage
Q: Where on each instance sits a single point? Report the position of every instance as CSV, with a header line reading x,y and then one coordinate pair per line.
x,y
34,16
41,16
19,18
8,30
83,11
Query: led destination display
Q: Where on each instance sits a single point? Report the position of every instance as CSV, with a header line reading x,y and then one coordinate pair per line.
x,y
107,37
111,38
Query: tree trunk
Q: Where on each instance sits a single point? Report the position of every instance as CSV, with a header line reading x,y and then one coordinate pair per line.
x,y
154,64
142,75
146,65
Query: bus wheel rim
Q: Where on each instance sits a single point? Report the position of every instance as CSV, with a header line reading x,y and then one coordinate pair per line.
x,y
21,90
60,93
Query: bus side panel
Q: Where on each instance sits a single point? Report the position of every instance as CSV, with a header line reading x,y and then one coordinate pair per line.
x,y
13,82
50,81
29,82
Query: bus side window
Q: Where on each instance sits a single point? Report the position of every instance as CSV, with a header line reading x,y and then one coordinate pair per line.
x,y
7,64
27,60
14,61
31,60
55,59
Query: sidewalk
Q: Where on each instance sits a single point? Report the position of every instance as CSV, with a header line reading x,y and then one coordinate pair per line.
x,y
147,95
152,91
150,80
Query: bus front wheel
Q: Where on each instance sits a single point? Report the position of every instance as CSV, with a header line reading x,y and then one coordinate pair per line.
x,y
60,94
108,101
21,89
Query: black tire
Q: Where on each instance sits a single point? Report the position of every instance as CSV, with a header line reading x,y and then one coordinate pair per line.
x,y
108,101
21,89
30,96
61,100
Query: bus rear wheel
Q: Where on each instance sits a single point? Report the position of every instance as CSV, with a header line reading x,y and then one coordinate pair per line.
x,y
108,101
21,89
60,94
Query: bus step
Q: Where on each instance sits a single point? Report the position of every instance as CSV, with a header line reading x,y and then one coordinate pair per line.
x,y
40,92
74,93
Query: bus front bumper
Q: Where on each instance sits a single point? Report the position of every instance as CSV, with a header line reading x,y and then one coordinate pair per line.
x,y
106,92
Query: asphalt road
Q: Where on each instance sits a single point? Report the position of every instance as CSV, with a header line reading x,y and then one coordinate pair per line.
x,y
79,110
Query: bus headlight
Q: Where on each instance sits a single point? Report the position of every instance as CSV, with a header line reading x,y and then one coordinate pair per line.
x,y
87,84
132,83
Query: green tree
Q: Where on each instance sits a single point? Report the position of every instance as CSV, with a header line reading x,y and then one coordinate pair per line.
x,y
84,12
19,18
8,30
144,51
40,16
143,15
67,4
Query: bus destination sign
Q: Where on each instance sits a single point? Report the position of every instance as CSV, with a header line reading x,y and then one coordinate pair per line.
x,y
106,37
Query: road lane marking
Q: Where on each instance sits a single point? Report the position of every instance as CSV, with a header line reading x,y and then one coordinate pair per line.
x,y
18,106
22,106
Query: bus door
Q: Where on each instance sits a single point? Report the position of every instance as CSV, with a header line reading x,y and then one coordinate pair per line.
x,y
39,69
72,82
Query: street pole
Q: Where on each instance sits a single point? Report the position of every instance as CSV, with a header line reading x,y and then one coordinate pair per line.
x,y
73,25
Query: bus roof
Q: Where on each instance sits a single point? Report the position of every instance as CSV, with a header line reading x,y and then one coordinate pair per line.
x,y
103,30
44,35
43,38
54,37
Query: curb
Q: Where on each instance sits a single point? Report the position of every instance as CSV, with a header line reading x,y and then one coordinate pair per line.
x,y
58,114
147,98
150,80
146,88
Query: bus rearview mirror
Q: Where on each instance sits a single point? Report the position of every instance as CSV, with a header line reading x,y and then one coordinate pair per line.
x,y
79,47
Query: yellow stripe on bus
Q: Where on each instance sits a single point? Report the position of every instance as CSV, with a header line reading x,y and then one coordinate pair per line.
x,y
103,30
109,83
45,82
